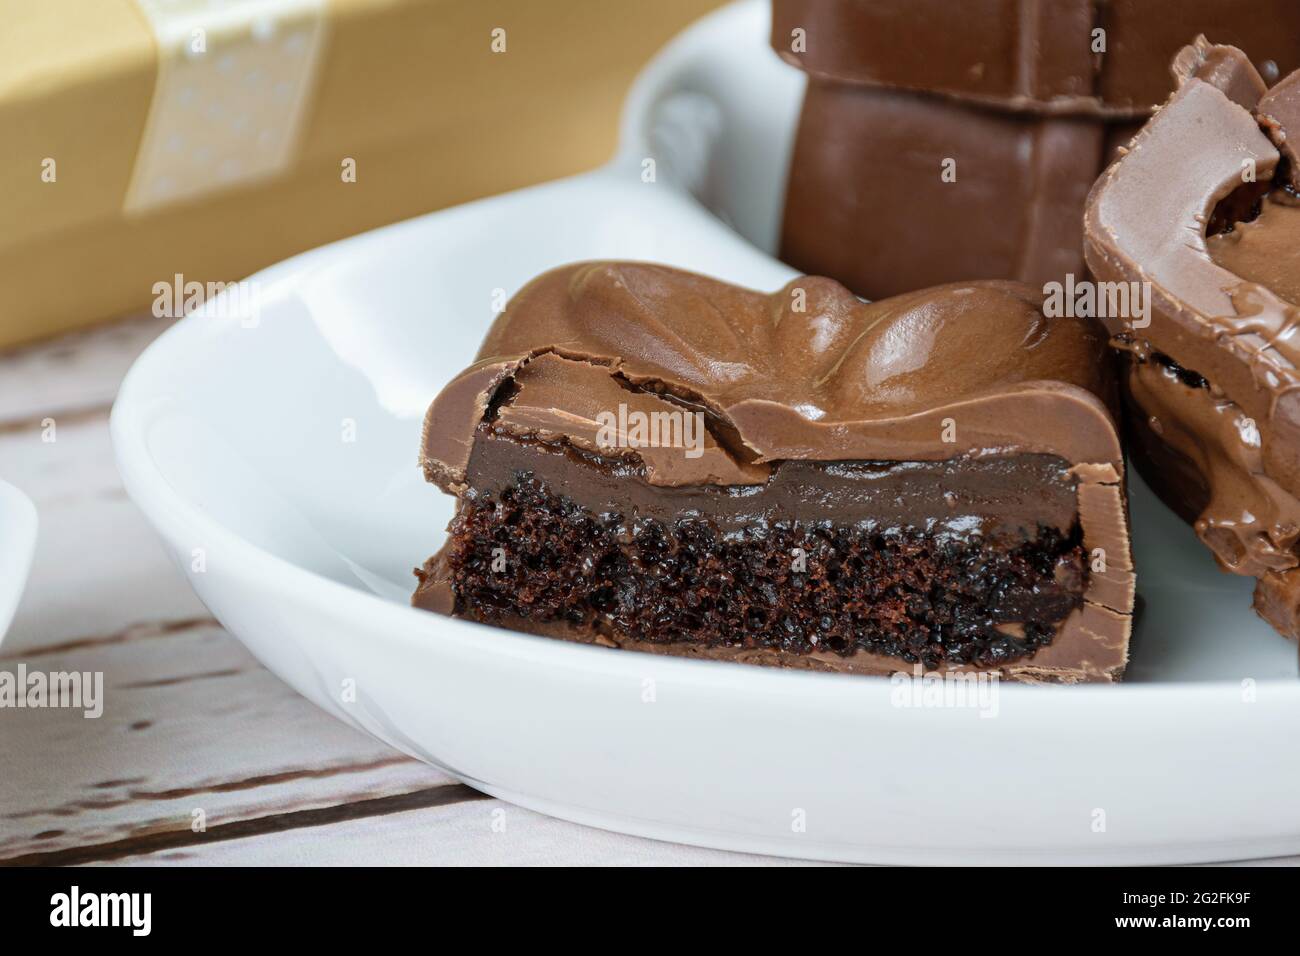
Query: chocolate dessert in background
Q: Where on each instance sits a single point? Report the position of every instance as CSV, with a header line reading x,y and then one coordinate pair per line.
x,y
944,142
1203,210
650,459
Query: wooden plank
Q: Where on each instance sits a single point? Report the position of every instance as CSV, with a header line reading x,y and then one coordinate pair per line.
x,y
469,833
71,376
191,722
99,569
93,542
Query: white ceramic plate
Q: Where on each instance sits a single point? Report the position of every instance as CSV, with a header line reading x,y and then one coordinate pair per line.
x,y
234,442
17,541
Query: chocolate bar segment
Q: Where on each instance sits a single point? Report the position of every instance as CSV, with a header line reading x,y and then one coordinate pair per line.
x,y
650,459
1035,56
1142,36
1200,215
891,191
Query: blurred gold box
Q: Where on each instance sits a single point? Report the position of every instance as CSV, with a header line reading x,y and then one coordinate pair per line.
x,y
433,102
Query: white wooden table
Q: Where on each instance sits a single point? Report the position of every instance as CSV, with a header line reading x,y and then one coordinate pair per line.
x,y
191,721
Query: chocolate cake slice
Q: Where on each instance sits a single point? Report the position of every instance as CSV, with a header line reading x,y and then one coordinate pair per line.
x,y
646,458
1203,214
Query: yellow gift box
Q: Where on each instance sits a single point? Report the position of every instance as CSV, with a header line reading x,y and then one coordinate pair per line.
x,y
141,139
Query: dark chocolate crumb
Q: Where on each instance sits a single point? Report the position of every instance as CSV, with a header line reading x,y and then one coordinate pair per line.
x,y
901,592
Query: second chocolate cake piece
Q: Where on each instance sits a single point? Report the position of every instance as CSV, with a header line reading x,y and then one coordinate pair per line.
x,y
651,459
1200,218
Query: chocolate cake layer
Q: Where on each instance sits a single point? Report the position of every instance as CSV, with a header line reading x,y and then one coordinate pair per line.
x,y
931,562
1219,438
1028,55
868,200
650,458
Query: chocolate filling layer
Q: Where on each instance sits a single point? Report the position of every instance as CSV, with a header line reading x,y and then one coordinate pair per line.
x,y
1265,248
973,561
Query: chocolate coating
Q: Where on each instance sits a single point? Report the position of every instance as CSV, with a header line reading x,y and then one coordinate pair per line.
x,y
1220,440
1278,111
809,372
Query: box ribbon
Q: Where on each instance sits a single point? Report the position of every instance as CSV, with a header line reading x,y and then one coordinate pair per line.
x,y
235,78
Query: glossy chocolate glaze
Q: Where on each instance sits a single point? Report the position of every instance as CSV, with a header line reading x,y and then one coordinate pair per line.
x,y
1226,453
1201,453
